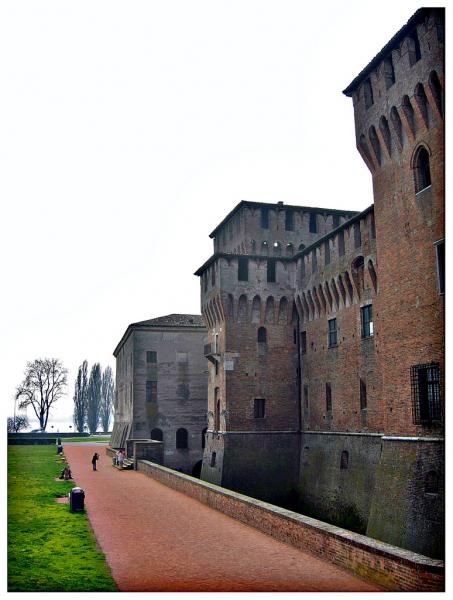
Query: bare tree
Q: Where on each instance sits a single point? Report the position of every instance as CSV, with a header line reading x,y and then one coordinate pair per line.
x,y
44,383
107,395
94,398
17,423
81,397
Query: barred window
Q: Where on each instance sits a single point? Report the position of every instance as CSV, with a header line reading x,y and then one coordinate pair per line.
x,y
367,321
332,332
425,383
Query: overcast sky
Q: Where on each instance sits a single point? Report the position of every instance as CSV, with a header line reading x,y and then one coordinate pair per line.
x,y
129,130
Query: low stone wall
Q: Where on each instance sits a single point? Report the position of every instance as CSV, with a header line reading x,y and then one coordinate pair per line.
x,y
32,441
389,566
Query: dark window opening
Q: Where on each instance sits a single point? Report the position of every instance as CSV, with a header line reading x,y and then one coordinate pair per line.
x,y
264,217
182,439
259,408
357,236
243,269
409,112
431,483
414,48
422,102
216,409
205,281
422,171
271,270
328,398
367,321
326,252
156,434
372,227
440,261
332,332
363,399
213,459
289,220
368,93
294,336
151,356
425,383
306,397
336,221
436,90
344,460
301,247
262,335
303,342
203,438
216,367
341,246
151,391
312,227
389,72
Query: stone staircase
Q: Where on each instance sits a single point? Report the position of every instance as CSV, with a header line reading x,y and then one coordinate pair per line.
x,y
128,464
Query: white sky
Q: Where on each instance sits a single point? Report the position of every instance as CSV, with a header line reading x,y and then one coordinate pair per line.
x,y
129,130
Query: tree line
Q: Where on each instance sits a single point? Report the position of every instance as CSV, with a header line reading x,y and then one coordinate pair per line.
x,y
45,382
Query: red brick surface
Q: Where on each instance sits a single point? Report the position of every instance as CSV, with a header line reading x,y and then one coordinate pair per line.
x,y
158,539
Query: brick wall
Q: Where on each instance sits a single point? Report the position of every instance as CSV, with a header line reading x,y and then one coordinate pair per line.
x,y
391,567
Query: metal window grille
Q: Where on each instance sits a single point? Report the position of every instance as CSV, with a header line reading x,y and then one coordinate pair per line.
x,y
259,408
425,384
332,332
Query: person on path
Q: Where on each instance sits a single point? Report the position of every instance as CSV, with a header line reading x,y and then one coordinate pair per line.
x,y
94,460
120,458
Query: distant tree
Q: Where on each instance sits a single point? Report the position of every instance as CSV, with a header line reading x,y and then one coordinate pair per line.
x,y
17,423
107,395
81,397
94,398
44,383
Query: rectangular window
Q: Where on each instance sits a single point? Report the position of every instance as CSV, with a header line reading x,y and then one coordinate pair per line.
x,y
289,220
271,270
425,383
264,217
303,342
341,247
306,397
259,408
243,268
314,262
367,321
151,391
328,398
332,332
440,261
151,356
313,227
336,221
363,401
326,252
357,236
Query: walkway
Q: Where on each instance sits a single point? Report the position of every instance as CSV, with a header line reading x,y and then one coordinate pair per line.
x,y
158,539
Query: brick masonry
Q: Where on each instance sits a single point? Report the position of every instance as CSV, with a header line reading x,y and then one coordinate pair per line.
x,y
393,568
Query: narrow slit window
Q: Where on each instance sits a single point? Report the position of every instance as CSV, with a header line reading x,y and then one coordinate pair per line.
x,y
332,324
363,399
289,220
440,263
243,269
313,226
328,398
259,408
303,342
264,217
367,321
271,270
341,245
368,93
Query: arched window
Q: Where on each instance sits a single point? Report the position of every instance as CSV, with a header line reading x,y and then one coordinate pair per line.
x,y
265,248
289,249
182,438
436,91
277,248
156,434
262,335
301,247
422,171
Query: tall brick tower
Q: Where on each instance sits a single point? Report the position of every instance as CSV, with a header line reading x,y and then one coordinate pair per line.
x,y
247,300
399,119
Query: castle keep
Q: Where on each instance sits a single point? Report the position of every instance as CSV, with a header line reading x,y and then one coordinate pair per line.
x,y
325,339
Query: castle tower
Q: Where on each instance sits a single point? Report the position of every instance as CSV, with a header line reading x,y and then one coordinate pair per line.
x,y
247,299
399,109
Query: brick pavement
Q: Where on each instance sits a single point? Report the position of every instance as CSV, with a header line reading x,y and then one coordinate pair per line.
x,y
157,539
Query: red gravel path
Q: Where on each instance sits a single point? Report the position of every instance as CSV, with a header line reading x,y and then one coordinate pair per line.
x,y
157,539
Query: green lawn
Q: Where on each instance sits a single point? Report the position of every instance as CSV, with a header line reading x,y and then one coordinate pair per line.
x,y
49,548
92,439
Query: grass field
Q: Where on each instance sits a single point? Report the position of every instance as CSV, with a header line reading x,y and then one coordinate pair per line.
x,y
92,439
49,548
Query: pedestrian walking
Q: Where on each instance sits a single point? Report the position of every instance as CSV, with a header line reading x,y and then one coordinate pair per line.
x,y
94,460
121,458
